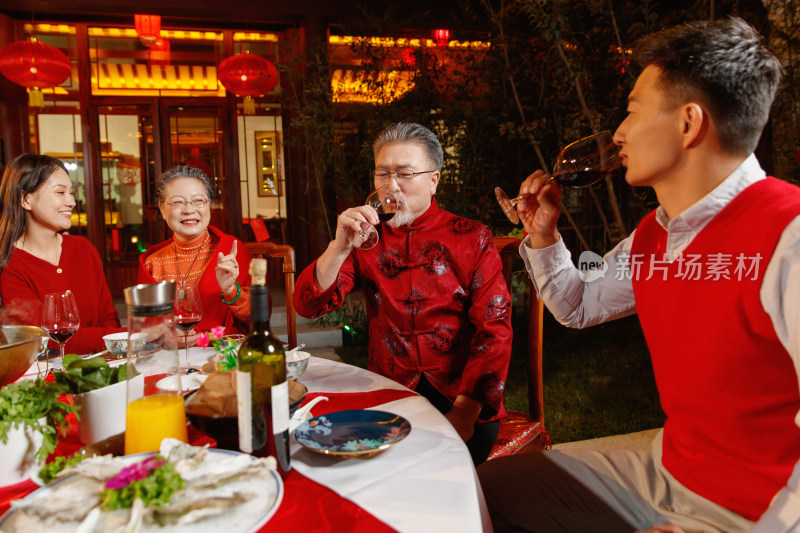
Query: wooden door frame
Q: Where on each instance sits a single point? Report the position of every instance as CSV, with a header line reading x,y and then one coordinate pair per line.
x,y
230,164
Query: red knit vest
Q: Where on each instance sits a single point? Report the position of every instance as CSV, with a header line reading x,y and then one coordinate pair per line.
x,y
727,385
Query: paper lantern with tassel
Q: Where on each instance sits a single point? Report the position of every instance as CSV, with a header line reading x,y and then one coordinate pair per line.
x,y
35,65
148,28
248,75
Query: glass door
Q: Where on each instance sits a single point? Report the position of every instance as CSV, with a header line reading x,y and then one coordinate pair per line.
x,y
129,164
196,140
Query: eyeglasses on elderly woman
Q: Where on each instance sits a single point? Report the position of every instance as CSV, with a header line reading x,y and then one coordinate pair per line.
x,y
197,203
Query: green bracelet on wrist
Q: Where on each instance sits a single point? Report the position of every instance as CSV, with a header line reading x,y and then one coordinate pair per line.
x,y
235,298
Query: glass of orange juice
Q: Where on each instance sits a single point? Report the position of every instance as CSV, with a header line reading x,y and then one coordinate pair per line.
x,y
155,408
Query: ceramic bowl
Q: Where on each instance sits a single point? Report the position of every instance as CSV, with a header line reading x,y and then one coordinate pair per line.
x,y
19,353
296,363
117,343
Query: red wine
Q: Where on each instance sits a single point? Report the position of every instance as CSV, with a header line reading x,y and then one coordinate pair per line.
x,y
580,178
61,335
185,324
385,217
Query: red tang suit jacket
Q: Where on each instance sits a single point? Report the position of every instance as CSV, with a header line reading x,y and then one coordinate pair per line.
x,y
436,303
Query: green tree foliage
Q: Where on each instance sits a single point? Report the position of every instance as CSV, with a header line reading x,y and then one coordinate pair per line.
x,y
556,70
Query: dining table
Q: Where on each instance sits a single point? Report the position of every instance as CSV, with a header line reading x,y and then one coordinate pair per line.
x,y
423,483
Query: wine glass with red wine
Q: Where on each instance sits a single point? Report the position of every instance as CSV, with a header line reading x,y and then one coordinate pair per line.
x,y
384,202
59,319
188,312
580,164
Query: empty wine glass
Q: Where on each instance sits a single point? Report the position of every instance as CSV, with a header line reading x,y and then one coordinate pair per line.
x,y
384,202
59,319
579,164
188,312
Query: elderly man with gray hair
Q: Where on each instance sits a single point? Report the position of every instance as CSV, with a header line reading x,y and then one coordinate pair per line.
x,y
437,303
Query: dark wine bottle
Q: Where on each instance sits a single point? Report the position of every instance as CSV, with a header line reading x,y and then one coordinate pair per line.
x,y
261,387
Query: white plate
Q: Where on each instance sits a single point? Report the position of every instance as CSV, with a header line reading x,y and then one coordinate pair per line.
x,y
189,382
248,517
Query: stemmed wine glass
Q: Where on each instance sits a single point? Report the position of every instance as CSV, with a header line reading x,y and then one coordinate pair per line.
x,y
580,164
59,319
384,202
188,312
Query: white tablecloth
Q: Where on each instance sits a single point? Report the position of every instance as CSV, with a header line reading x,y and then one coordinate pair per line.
x,y
425,483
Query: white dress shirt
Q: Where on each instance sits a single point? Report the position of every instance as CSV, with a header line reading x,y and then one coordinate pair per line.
x,y
579,304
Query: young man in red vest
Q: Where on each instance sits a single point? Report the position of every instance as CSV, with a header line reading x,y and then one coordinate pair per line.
x,y
714,275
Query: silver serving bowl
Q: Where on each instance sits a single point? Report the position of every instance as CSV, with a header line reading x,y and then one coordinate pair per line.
x,y
19,352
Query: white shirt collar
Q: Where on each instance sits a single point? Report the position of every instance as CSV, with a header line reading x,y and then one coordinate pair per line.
x,y
684,227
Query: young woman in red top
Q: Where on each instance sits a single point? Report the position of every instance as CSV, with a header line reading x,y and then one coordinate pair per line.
x,y
37,257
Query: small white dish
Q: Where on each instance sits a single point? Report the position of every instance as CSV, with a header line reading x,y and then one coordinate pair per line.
x,y
189,382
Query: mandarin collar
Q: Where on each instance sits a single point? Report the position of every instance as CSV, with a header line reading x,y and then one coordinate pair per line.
x,y
191,246
422,221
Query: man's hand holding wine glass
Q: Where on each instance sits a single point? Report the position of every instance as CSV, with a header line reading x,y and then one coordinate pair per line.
x,y
539,208
580,164
352,223
356,227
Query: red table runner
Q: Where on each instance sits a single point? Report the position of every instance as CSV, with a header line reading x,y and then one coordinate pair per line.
x,y
307,506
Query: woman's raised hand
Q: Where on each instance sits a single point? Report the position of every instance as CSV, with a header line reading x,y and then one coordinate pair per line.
x,y
227,269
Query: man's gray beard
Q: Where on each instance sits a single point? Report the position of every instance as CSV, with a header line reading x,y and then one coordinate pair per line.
x,y
402,217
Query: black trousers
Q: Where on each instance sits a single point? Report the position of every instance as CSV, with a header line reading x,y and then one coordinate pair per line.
x,y
482,440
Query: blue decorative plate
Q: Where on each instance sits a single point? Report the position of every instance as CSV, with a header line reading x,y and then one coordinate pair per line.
x,y
352,433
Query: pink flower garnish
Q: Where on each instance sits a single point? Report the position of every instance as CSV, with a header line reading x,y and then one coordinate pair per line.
x,y
202,340
218,332
132,473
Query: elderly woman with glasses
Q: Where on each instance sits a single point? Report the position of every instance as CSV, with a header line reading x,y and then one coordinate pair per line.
x,y
198,254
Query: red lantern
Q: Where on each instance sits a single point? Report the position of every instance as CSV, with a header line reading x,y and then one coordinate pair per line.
x,y
247,75
409,58
158,55
35,65
442,37
148,28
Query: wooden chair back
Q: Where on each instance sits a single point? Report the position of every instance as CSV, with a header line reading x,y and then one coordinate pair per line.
x,y
509,250
285,254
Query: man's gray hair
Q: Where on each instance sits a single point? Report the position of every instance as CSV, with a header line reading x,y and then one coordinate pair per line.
x,y
410,132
